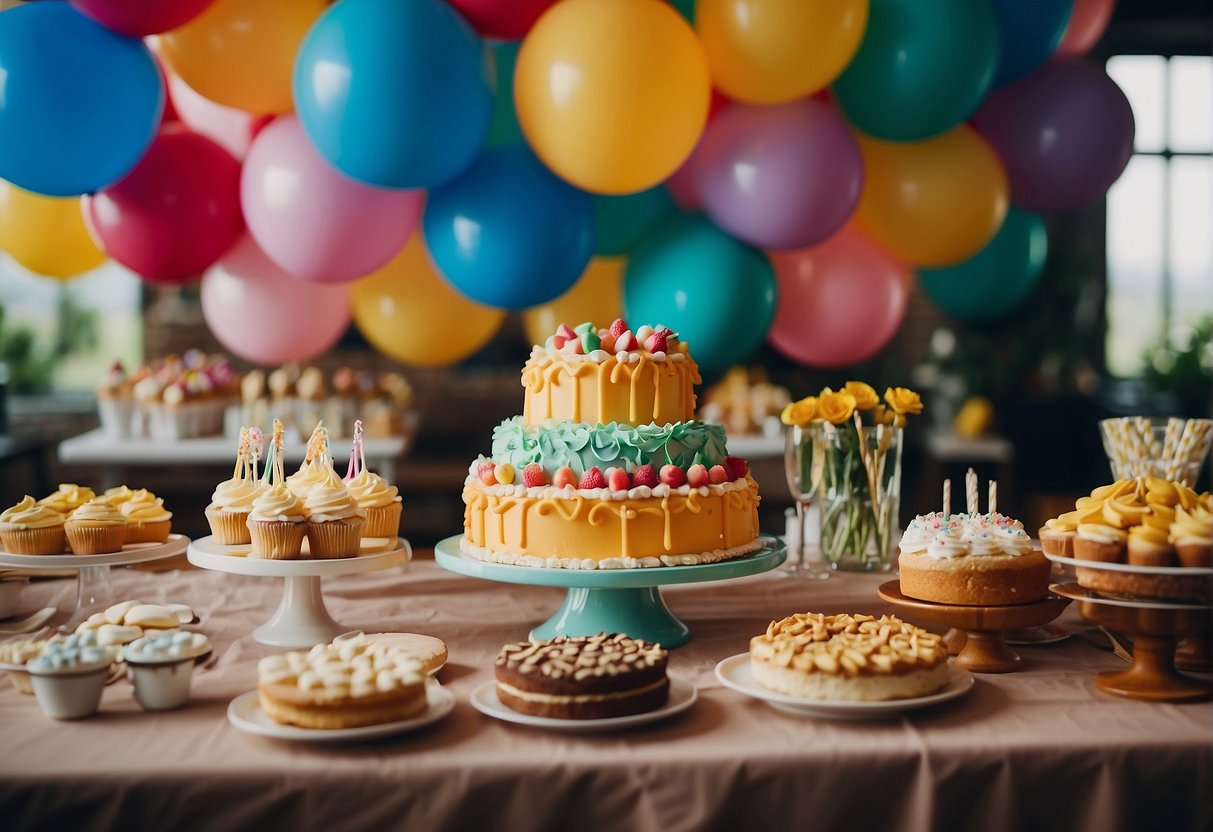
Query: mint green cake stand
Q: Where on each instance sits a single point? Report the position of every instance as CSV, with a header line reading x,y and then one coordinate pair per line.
x,y
612,600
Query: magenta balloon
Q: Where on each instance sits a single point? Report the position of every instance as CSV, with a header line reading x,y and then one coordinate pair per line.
x,y
313,221
262,314
1064,133
840,302
781,177
136,18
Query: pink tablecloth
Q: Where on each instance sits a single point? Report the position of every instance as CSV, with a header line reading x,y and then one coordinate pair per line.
x,y
1036,749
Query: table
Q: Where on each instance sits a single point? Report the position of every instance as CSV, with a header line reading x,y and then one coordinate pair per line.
x,y
1036,749
114,455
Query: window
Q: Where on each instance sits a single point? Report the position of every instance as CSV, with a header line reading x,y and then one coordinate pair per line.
x,y
1160,212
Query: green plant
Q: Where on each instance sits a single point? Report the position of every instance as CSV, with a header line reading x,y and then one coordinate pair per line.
x,y
1185,368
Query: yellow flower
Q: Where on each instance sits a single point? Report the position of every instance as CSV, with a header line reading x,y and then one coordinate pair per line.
x,y
800,413
881,415
865,396
836,407
903,400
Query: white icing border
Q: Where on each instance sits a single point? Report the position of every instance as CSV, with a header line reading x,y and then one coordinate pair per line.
x,y
534,561
539,352
640,492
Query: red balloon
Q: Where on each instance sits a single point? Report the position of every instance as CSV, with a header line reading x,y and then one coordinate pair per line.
x,y
136,18
840,302
1087,24
176,213
502,19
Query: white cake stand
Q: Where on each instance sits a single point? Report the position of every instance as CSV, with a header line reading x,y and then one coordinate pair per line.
x,y
613,600
301,619
93,589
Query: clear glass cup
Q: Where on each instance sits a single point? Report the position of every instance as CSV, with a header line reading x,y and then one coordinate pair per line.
x,y
802,464
1175,450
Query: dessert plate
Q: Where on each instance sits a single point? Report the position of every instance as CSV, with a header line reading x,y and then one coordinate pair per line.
x,y
1134,569
682,696
245,713
734,673
1080,593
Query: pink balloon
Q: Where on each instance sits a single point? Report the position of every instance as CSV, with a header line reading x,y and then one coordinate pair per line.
x,y
840,302
175,213
312,220
262,314
231,128
1087,24
136,18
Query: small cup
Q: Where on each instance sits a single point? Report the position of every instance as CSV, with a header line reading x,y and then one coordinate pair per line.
x,y
162,685
10,595
70,692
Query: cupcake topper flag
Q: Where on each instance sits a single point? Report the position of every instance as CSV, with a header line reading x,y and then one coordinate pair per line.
x,y
256,442
241,471
318,446
274,458
971,491
357,458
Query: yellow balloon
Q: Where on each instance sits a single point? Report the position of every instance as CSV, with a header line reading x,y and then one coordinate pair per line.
x,y
772,51
410,313
241,52
596,296
46,234
932,203
612,94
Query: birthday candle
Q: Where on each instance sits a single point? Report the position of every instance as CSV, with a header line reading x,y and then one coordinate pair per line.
x,y
993,498
947,498
971,491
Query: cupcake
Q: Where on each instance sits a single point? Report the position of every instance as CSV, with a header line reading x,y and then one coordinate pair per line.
x,y
232,500
116,402
381,502
309,475
1192,536
118,495
147,521
68,498
96,528
335,522
1148,543
1057,535
277,524
29,528
1099,541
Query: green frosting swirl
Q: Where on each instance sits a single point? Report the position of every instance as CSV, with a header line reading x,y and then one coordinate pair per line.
x,y
581,447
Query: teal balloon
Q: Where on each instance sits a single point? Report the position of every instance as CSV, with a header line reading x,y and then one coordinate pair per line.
x,y
1029,31
504,129
992,283
716,293
624,220
686,8
922,68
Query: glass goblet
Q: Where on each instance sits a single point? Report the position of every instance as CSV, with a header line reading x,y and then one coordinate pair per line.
x,y
802,464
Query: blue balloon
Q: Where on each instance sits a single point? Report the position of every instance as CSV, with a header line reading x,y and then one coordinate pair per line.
x,y
79,105
624,220
1028,33
508,233
396,94
716,293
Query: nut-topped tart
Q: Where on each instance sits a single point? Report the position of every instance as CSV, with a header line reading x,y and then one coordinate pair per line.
x,y
849,658
583,677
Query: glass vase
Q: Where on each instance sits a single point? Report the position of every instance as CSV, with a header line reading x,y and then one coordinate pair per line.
x,y
860,495
803,461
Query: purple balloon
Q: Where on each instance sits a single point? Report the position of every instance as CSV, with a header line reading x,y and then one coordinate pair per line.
x,y
782,177
1065,134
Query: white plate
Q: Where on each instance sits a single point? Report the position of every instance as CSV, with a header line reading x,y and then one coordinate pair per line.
x,y
682,696
245,713
734,673
1080,593
1134,569
131,553
377,553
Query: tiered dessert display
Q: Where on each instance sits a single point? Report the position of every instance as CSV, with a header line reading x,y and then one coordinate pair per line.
x,y
607,486
1142,551
976,573
74,528
301,528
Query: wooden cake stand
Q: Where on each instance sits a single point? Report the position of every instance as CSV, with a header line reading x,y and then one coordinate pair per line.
x,y
978,634
1156,626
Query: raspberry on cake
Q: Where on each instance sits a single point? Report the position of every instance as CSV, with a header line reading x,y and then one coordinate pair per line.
x,y
848,658
583,677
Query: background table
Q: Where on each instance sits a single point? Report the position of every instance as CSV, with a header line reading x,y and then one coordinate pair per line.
x,y
1040,748
115,455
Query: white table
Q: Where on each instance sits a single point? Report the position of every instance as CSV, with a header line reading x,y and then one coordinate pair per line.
x,y
95,448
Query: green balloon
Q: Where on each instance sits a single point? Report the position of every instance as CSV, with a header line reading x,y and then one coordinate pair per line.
x,y
716,293
504,128
623,220
922,68
686,8
998,278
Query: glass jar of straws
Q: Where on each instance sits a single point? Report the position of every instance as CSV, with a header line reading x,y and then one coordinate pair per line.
x,y
1176,450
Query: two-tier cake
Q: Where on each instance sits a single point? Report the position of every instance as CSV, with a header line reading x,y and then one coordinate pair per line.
x,y
606,467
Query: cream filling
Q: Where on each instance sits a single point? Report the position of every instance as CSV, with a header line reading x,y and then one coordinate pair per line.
x,y
564,699
840,688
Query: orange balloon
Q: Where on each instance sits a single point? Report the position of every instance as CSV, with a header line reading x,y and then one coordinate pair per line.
x,y
410,313
596,296
612,94
933,203
241,53
46,234
772,51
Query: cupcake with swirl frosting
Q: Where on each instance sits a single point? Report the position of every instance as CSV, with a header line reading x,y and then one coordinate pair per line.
x,y
335,520
96,528
147,520
232,500
31,529
277,524
68,498
381,502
